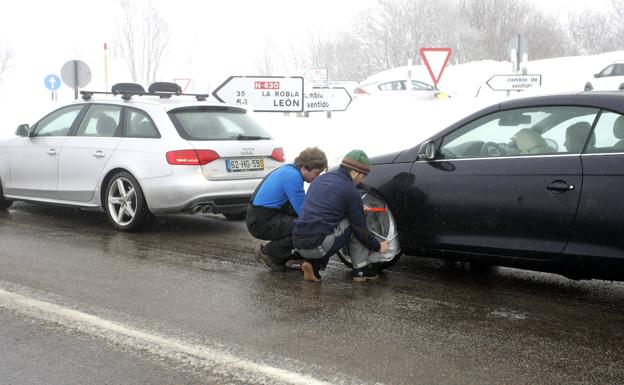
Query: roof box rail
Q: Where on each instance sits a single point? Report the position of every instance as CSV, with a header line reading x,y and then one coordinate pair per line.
x,y
164,90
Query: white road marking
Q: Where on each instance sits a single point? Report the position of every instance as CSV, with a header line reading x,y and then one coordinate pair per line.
x,y
218,362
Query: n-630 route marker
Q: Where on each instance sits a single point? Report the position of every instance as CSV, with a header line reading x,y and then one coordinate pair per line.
x,y
263,93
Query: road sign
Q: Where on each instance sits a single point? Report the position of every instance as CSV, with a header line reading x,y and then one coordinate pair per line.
x,y
514,82
315,77
52,82
263,93
76,74
327,99
435,59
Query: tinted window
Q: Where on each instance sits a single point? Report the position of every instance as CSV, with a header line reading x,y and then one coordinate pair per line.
x,y
101,121
416,85
398,85
139,125
216,124
529,131
59,122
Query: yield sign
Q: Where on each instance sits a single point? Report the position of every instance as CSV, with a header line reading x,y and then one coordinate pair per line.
x,y
435,59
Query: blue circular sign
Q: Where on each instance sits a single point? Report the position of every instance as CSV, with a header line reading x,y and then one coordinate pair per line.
x,y
52,82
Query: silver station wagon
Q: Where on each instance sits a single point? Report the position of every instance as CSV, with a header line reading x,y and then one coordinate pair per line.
x,y
135,154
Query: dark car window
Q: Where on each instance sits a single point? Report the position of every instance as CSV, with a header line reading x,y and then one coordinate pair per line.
x,y
528,131
418,86
100,121
398,85
608,134
139,125
59,122
618,70
216,124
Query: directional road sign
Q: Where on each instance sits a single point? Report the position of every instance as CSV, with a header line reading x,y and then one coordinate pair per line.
x,y
327,99
263,93
435,59
52,82
514,82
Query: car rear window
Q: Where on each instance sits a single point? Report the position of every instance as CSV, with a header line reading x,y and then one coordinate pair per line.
x,y
201,123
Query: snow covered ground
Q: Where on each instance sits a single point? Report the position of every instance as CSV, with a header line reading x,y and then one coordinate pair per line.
x,y
374,125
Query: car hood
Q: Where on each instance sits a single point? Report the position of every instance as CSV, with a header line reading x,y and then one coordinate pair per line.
x,y
386,158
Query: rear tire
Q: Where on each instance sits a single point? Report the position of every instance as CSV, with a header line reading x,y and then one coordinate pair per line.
x,y
372,200
4,203
125,204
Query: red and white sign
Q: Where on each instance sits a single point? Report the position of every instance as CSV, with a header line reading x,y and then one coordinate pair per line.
x,y
435,59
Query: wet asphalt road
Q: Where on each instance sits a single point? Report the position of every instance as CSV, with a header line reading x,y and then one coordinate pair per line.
x,y
200,310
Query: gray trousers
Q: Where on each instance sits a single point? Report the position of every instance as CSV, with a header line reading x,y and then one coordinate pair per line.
x,y
340,238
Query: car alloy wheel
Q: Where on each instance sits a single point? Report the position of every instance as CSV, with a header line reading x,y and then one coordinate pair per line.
x,y
125,203
382,224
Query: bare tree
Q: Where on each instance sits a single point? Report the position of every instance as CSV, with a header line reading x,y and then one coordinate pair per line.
x,y
592,32
143,37
266,63
5,58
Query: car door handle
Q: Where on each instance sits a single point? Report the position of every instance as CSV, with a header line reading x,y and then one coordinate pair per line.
x,y
52,152
99,154
559,186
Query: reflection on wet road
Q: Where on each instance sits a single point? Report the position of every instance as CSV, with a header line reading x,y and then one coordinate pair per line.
x,y
425,320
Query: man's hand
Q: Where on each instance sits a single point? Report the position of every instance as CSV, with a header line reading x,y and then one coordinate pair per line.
x,y
384,247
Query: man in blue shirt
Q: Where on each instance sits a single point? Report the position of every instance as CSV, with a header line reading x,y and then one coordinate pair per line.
x,y
332,217
277,202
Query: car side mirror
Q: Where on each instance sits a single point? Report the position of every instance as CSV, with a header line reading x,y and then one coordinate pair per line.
x,y
427,150
22,130
596,75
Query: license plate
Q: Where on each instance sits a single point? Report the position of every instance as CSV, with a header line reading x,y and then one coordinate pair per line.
x,y
235,165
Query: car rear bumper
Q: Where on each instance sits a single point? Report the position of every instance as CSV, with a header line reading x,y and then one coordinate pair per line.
x,y
192,192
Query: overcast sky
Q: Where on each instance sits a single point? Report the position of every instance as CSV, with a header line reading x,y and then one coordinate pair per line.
x,y
209,40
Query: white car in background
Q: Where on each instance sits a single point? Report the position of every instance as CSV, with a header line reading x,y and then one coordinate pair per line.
x,y
609,79
135,154
402,88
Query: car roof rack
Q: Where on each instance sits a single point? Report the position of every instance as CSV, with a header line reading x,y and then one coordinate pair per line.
x,y
164,90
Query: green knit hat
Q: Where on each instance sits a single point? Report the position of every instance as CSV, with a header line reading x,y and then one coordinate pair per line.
x,y
357,160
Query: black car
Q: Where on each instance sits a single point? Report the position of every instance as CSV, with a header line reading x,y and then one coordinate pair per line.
x,y
532,183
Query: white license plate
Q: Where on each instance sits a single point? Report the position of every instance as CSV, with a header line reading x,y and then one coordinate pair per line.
x,y
234,165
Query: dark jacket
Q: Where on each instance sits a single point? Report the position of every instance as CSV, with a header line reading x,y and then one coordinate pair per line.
x,y
331,198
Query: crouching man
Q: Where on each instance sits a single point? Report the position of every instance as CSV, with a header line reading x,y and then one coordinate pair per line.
x,y
332,217
277,202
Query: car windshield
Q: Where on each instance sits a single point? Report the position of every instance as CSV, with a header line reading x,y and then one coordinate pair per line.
x,y
216,124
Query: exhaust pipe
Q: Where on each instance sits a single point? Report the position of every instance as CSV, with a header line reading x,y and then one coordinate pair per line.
x,y
197,209
207,209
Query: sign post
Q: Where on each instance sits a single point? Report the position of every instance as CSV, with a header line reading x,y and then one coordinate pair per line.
x,y
435,59
514,82
263,93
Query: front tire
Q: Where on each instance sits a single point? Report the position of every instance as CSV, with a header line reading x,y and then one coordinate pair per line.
x,y
383,225
125,204
4,203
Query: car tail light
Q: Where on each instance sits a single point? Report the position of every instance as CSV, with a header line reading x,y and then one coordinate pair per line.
x,y
191,157
278,154
360,91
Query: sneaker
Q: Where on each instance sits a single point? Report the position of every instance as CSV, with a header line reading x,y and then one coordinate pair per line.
x,y
309,272
267,261
364,274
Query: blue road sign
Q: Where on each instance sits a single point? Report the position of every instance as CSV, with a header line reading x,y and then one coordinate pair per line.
x,y
52,82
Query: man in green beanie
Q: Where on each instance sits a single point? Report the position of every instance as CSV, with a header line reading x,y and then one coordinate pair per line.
x,y
332,217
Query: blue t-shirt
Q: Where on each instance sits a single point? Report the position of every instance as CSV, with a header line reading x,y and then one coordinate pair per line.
x,y
282,185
